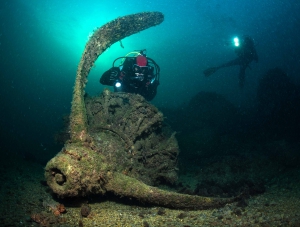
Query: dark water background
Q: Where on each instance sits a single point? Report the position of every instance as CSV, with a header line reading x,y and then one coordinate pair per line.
x,y
41,43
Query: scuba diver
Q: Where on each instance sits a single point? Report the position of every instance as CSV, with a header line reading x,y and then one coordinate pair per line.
x,y
136,73
246,53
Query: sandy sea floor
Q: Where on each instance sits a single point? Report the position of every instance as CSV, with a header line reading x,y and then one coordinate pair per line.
x,y
23,193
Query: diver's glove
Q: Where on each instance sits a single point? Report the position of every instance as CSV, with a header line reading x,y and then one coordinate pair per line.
x,y
110,76
114,72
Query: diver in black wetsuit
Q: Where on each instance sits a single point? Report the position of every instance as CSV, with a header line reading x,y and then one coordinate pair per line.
x,y
137,74
246,53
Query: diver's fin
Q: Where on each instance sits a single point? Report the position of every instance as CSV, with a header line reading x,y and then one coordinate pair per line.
x,y
210,71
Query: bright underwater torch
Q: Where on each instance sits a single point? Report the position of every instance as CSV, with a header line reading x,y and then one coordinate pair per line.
x,y
236,41
118,86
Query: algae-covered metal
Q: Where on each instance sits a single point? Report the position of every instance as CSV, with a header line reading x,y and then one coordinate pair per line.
x,y
119,142
103,38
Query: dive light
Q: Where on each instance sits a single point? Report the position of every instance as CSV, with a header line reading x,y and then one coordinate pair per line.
x,y
236,41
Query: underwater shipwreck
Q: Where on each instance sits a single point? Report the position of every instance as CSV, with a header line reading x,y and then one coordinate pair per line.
x,y
118,160
118,141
